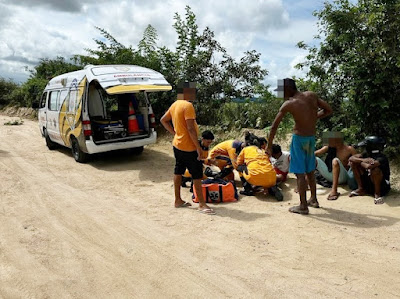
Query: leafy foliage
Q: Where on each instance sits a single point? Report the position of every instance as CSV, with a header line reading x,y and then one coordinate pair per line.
x,y
197,57
7,87
357,67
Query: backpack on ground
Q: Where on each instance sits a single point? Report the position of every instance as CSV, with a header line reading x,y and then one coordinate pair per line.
x,y
217,190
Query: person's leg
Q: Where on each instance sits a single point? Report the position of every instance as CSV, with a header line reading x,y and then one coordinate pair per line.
x,y
323,169
247,188
177,188
178,172
351,181
376,178
203,207
196,169
336,170
357,172
310,179
301,186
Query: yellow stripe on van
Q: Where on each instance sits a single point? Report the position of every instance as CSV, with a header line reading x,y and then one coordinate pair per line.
x,y
137,88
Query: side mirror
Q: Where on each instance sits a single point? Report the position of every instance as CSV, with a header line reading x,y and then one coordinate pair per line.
x,y
35,105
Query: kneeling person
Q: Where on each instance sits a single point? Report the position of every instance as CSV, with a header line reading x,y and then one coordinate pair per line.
x,y
257,170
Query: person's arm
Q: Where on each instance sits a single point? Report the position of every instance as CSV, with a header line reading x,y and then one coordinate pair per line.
x,y
190,123
233,157
367,163
166,122
325,109
282,111
240,158
321,151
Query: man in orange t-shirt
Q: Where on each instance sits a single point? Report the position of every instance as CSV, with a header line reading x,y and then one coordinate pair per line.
x,y
187,150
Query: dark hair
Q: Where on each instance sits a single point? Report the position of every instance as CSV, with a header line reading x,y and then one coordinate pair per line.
x,y
290,82
207,135
249,138
185,84
262,140
276,149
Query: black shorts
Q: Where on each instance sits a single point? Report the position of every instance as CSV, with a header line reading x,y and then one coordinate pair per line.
x,y
369,186
188,160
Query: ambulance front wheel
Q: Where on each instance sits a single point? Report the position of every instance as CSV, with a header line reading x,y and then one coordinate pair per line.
x,y
78,154
50,144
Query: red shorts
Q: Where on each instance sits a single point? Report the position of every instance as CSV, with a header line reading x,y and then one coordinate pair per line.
x,y
284,174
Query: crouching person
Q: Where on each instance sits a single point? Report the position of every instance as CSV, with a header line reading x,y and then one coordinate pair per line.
x,y
371,169
255,169
225,155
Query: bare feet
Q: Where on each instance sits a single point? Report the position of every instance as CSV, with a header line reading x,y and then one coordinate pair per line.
x,y
299,210
313,202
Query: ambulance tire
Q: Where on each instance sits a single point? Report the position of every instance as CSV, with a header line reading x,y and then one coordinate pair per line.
x,y
137,150
77,153
50,144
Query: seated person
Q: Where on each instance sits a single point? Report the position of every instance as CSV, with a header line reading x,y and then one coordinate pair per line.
x,y
225,154
256,170
281,161
371,169
336,168
206,139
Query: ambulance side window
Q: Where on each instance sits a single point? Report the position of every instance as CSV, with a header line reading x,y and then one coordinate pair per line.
x,y
42,103
73,95
53,100
63,96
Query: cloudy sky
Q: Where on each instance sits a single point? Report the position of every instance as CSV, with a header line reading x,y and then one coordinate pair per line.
x,y
34,29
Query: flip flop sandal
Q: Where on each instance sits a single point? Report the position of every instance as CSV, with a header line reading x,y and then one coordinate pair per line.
x,y
207,211
333,197
379,201
184,205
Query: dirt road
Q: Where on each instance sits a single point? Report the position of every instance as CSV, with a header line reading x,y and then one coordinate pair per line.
x,y
108,229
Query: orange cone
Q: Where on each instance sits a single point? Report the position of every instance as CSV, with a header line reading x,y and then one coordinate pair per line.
x,y
133,126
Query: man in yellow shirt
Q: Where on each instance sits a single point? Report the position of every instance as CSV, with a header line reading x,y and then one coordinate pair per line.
x,y
187,150
225,155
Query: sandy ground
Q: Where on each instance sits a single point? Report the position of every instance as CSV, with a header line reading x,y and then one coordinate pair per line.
x,y
108,229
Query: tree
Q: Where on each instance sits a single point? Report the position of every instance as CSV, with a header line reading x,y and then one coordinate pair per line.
x,y
7,87
357,66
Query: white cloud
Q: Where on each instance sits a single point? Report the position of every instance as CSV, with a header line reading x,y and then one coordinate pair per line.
x,y
46,29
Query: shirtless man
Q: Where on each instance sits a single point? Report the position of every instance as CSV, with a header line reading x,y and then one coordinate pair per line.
x,y
306,108
338,170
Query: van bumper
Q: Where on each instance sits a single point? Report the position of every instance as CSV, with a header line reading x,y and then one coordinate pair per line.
x,y
93,148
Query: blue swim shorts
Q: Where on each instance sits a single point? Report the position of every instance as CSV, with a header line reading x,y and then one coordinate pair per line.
x,y
302,156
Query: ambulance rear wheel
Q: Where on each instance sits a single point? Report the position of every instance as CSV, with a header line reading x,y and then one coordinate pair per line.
x,y
77,153
50,144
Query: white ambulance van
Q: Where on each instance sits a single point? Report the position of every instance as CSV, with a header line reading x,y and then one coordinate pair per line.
x,y
100,108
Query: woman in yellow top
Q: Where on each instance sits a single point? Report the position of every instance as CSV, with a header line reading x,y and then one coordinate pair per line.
x,y
257,169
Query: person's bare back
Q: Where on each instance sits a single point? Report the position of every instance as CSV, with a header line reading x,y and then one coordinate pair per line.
x,y
304,108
